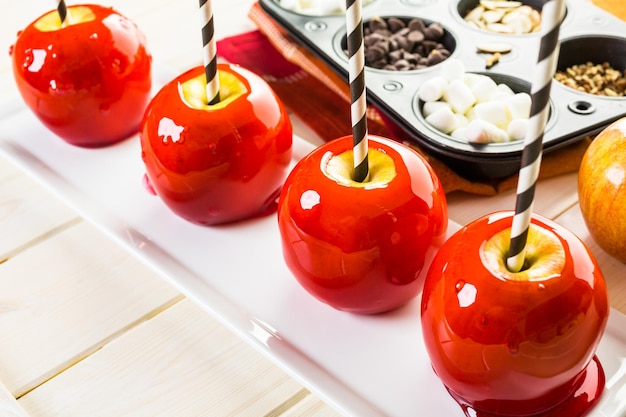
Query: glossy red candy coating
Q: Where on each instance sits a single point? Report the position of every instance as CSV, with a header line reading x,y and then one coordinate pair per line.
x,y
513,348
88,82
224,164
357,249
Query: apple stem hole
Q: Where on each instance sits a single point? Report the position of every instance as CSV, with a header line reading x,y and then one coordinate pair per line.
x,y
543,256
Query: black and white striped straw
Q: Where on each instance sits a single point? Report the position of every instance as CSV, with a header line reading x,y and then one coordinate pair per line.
x,y
62,10
358,106
552,15
209,53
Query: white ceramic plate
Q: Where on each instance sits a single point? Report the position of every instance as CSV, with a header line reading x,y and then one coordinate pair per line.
x,y
361,365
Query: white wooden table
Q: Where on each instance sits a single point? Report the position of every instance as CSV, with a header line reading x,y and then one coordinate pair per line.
x,y
88,330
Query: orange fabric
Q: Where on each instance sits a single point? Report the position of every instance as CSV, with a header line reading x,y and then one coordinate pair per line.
x,y
325,108
615,7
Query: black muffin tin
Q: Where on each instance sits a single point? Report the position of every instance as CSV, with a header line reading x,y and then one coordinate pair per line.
x,y
587,33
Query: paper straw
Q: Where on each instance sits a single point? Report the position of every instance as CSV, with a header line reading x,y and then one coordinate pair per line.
x,y
358,106
552,15
62,10
210,53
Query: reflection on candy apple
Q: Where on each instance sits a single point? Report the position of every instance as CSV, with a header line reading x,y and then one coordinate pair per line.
x,y
88,81
602,189
361,247
216,163
516,344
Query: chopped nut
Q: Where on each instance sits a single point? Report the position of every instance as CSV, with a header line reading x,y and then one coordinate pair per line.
x,y
598,79
492,60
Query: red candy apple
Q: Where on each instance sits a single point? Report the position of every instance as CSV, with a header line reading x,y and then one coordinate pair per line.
x,y
89,80
361,246
602,189
222,162
516,344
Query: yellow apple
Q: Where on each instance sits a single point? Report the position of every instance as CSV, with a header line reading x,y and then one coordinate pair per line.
x,y
602,189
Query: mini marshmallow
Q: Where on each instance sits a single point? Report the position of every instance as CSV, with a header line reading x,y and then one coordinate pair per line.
x,y
473,107
290,4
484,88
471,78
480,131
517,129
493,112
431,106
459,134
470,114
462,120
459,96
452,69
504,90
443,120
432,89
519,105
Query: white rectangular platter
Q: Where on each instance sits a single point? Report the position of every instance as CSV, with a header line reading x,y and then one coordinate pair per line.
x,y
361,365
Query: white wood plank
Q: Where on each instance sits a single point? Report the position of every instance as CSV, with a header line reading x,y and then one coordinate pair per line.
x,y
310,406
552,197
613,270
180,363
62,299
8,404
27,210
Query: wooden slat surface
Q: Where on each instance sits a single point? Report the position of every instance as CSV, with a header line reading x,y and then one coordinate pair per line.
x,y
310,406
9,406
180,363
21,217
69,295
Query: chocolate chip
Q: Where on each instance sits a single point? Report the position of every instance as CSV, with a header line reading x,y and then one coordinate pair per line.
x,y
416,24
395,24
375,53
403,65
412,58
415,36
402,32
372,39
433,31
428,46
435,57
420,49
377,24
396,55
